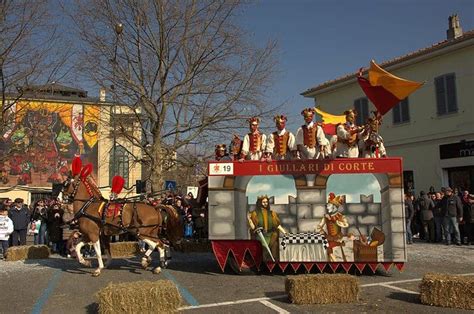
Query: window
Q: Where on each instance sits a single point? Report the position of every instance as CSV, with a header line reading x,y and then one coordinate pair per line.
x,y
400,112
361,106
445,87
119,164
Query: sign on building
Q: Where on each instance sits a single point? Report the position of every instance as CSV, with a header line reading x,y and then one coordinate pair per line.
x,y
170,185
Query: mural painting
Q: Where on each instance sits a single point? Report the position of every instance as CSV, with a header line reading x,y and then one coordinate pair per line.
x,y
39,143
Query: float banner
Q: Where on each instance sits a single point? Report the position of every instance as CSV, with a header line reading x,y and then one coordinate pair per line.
x,y
302,167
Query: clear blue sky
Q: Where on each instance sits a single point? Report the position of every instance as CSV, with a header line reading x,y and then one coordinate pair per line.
x,y
322,40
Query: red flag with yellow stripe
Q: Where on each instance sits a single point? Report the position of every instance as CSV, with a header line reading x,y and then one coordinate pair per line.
x,y
385,90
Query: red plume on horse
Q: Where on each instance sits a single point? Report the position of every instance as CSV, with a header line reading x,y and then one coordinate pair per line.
x,y
89,209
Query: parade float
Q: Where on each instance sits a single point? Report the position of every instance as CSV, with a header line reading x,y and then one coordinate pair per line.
x,y
331,198
361,234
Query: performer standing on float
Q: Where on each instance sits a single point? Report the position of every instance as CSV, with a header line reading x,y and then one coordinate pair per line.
x,y
371,146
265,224
281,143
348,136
311,142
254,142
221,153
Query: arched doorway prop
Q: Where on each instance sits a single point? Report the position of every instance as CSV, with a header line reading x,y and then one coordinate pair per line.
x,y
375,235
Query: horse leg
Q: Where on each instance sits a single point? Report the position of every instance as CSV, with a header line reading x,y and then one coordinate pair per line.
x,y
146,260
99,258
163,260
106,242
80,258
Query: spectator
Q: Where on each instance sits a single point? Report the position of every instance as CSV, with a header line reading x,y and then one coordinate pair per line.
x,y
199,215
467,230
452,211
6,228
409,213
40,212
73,240
425,207
55,231
189,227
19,214
438,218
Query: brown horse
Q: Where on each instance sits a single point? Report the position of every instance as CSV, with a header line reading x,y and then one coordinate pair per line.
x,y
143,220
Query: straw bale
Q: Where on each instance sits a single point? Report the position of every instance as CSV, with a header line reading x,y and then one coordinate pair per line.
x,y
24,252
322,288
448,291
159,296
124,249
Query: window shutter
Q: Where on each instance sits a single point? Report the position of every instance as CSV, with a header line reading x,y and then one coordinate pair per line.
x,y
365,109
405,113
440,95
451,93
396,114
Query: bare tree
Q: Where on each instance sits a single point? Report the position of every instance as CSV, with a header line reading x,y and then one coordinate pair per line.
x,y
184,68
29,51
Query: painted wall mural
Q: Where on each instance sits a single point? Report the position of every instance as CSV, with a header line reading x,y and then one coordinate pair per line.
x,y
38,145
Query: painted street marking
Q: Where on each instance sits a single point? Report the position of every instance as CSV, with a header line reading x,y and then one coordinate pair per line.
x,y
386,284
183,291
399,289
283,296
38,307
274,307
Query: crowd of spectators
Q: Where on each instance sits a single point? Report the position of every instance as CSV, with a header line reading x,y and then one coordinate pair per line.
x,y
445,216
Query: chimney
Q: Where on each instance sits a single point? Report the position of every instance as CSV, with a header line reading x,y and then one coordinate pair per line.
x,y
102,94
454,31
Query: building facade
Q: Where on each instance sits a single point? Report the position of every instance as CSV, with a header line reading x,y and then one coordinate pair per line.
x,y
48,126
432,129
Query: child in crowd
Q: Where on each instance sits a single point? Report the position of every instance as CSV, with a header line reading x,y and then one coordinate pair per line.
x,y
6,228
189,227
73,240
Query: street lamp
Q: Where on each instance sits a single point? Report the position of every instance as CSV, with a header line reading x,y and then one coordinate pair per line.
x,y
118,32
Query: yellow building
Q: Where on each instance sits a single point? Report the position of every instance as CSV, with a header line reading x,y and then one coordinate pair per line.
x,y
51,124
433,129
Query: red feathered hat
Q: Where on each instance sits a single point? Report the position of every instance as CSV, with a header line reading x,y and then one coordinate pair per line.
x,y
117,184
76,166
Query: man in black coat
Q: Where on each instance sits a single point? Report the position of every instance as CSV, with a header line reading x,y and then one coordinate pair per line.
x,y
451,209
20,216
425,206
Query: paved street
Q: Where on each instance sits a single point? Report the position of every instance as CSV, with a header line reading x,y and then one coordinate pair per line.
x,y
59,285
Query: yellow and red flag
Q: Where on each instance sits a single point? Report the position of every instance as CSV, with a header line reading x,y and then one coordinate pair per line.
x,y
330,121
385,90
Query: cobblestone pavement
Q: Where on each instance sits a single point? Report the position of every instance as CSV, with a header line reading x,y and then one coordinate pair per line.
x,y
59,285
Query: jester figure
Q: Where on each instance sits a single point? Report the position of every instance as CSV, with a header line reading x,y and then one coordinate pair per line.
x,y
221,153
310,139
371,145
334,221
348,136
254,142
281,143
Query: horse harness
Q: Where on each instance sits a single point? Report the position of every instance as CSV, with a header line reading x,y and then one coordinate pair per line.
x,y
102,220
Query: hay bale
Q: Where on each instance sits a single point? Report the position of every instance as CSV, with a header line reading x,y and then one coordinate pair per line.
x,y
322,288
159,296
124,249
448,291
24,252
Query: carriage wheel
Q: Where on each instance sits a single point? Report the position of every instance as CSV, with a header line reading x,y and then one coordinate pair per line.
x,y
248,266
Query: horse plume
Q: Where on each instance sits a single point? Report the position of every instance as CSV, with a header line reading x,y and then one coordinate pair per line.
x,y
76,166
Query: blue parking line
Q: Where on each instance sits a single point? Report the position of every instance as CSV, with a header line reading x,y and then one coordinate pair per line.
x,y
38,307
183,291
